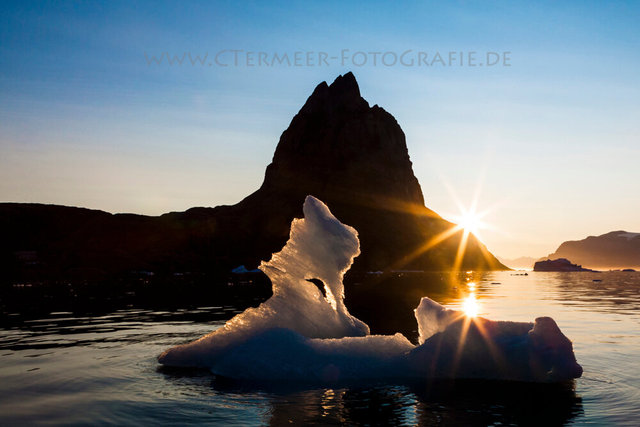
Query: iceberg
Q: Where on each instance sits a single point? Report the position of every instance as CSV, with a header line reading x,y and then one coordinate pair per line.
x,y
453,345
319,247
304,334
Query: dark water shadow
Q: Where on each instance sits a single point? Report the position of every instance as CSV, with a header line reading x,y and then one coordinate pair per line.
x,y
476,402
386,302
461,402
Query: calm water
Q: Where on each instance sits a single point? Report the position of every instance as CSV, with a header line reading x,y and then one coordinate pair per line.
x,y
102,370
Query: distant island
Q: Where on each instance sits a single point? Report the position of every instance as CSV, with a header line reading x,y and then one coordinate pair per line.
x,y
614,250
560,264
351,155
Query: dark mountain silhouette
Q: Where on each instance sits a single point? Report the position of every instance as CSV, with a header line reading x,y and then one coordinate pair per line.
x,y
350,155
617,249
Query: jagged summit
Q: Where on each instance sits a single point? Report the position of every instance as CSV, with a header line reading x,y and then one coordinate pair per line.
x,y
342,94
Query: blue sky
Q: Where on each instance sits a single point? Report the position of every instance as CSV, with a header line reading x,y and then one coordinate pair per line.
x,y
553,138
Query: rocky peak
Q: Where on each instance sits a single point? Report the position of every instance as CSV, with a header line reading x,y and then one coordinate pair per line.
x,y
342,95
338,144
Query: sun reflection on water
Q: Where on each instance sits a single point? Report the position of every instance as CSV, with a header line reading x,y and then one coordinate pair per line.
x,y
470,305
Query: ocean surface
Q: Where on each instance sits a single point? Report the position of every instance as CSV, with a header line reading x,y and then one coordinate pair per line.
x,y
65,368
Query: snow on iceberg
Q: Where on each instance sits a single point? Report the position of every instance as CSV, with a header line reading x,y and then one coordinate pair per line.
x,y
301,334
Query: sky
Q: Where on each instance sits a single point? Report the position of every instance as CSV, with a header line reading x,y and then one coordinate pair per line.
x,y
546,140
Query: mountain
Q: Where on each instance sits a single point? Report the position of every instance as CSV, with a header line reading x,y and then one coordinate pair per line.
x,y
348,154
617,249
523,262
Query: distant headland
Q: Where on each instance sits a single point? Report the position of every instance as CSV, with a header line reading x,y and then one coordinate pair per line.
x,y
614,250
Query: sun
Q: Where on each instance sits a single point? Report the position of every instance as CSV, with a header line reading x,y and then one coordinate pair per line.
x,y
467,224
470,221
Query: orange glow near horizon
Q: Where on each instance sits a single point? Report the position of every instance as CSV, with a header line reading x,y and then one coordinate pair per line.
x,y
467,221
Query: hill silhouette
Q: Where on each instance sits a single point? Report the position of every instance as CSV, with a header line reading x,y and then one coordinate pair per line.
x,y
337,148
617,249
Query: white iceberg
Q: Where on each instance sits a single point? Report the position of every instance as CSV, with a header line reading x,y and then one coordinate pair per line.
x,y
301,334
